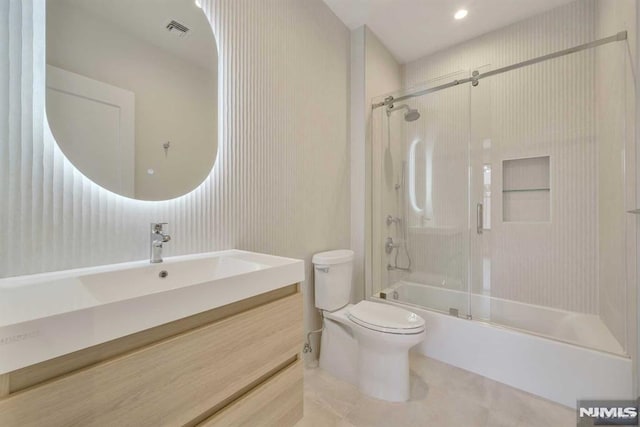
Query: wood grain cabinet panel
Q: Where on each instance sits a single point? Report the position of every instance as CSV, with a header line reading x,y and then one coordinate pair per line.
x,y
172,382
275,403
5,385
68,363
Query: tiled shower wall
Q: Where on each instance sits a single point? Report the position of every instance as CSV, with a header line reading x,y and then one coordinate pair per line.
x,y
546,109
281,181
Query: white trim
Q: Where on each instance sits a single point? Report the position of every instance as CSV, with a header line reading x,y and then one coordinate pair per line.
x,y
80,86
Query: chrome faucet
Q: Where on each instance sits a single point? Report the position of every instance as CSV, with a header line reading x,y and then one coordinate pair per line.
x,y
158,238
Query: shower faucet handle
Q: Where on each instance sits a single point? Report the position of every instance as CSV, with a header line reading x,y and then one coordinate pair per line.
x,y
389,246
392,220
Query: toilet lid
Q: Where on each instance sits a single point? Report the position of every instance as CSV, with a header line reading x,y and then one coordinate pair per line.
x,y
386,318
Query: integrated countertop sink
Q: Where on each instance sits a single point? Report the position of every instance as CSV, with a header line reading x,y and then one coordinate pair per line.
x,y
47,315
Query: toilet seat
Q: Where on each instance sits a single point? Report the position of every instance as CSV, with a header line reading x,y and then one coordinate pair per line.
x,y
386,318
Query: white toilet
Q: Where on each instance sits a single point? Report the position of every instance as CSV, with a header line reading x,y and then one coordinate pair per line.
x,y
366,344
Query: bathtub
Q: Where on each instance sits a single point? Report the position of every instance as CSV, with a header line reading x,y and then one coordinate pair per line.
x,y
556,354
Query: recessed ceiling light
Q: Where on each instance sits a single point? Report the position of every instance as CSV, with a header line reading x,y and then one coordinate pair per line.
x,y
461,14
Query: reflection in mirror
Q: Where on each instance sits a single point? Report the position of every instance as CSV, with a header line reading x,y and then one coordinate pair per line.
x,y
132,93
421,179
414,184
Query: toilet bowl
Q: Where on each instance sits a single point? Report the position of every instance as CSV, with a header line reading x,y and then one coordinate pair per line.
x,y
366,344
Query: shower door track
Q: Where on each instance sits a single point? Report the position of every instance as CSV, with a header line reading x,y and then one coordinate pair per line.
x,y
476,76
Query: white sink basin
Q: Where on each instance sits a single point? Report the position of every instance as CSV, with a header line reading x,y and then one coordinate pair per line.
x,y
47,315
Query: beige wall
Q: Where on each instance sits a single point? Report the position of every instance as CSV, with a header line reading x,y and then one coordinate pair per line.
x,y
281,181
383,77
374,71
360,214
175,99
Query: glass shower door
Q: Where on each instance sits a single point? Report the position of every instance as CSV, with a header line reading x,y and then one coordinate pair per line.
x,y
547,177
421,199
505,201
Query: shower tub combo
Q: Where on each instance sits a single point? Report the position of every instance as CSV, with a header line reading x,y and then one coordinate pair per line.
x,y
487,222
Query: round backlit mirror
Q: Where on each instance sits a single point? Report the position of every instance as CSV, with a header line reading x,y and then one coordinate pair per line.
x,y
132,93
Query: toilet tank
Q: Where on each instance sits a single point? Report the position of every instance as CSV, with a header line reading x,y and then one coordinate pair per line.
x,y
333,272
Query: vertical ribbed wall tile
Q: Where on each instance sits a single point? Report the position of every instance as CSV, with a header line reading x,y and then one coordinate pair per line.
x,y
280,183
545,109
5,154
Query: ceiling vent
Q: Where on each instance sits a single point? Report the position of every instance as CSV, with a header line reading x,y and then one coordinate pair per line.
x,y
174,27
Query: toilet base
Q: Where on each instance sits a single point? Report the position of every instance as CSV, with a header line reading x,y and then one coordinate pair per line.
x,y
382,373
338,351
377,363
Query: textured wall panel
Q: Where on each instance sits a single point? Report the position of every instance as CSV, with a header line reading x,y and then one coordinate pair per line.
x,y
281,181
279,184
546,109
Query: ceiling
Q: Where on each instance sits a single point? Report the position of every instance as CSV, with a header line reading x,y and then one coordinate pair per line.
x,y
411,29
147,20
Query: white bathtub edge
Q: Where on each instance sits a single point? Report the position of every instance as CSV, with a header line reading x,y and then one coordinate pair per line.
x,y
557,371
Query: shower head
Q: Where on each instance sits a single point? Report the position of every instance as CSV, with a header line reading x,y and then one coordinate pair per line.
x,y
410,116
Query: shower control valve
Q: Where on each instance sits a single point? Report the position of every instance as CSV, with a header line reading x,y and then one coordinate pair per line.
x,y
389,246
392,220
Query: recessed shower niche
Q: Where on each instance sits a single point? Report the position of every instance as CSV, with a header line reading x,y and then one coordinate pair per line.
x,y
526,190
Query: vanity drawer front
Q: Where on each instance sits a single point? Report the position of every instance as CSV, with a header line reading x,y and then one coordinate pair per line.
x,y
275,403
171,383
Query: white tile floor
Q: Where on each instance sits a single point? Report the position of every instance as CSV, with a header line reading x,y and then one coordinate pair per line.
x,y
442,396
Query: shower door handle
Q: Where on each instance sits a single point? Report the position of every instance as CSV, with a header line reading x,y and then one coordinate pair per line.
x,y
479,218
